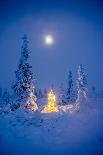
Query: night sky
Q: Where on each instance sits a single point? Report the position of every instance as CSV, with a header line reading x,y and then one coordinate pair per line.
x,y
77,29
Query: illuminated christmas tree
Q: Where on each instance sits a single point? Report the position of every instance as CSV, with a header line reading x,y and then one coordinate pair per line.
x,y
52,106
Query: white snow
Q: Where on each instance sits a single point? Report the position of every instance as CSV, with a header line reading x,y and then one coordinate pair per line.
x,y
63,133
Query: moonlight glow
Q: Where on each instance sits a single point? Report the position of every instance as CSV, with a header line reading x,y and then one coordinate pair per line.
x,y
49,40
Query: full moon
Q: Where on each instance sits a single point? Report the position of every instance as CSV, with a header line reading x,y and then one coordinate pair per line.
x,y
48,40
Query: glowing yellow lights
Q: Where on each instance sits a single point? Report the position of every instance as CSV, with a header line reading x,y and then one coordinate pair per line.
x,y
52,106
49,40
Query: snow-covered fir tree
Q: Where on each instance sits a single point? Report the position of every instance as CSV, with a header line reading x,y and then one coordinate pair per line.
x,y
61,96
24,86
52,105
70,90
82,91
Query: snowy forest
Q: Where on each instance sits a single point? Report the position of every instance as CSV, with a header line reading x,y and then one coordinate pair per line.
x,y
51,77
27,97
55,122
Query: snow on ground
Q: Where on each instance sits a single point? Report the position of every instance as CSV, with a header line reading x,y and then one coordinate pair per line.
x,y
63,133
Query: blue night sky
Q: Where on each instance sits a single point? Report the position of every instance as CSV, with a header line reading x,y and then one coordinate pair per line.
x,y
77,29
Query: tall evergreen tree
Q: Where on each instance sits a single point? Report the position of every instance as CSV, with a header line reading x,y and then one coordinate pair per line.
x,y
24,86
70,89
82,91
61,96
